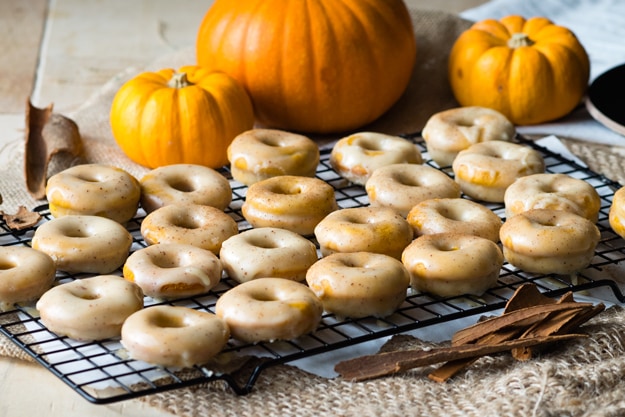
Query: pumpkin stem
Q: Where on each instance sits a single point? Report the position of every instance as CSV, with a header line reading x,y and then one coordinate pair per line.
x,y
518,40
179,80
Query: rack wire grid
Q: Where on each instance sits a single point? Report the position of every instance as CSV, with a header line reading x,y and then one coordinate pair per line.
x,y
102,372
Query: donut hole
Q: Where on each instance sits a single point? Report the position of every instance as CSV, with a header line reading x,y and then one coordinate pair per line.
x,y
263,296
75,232
168,321
369,145
447,247
90,177
287,189
272,141
86,294
404,179
7,264
187,222
183,185
263,243
166,261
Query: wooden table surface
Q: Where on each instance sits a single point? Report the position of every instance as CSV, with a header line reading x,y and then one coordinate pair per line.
x,y
62,52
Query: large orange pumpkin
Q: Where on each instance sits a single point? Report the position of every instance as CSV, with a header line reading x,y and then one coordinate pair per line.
x,y
190,116
531,70
316,66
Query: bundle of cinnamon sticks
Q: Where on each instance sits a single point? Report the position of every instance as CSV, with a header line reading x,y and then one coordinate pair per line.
x,y
529,320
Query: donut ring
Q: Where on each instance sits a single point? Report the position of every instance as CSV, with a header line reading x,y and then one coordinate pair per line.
x,y
94,189
552,191
174,336
90,308
267,252
182,184
89,244
364,229
451,264
355,157
173,270
203,226
448,132
25,274
259,154
485,170
454,215
359,284
549,241
289,202
402,186
269,309
616,215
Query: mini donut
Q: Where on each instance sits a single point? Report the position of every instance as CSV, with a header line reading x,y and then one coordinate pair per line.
x,y
184,183
454,215
170,270
269,309
90,308
174,336
90,244
267,252
94,189
450,131
364,229
616,216
549,241
289,202
359,284
402,186
193,224
451,264
355,157
258,154
485,170
25,274
552,191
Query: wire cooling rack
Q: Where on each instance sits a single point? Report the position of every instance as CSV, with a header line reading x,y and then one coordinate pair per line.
x,y
102,372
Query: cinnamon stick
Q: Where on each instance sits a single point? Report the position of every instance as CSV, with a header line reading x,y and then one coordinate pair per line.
x,y
383,364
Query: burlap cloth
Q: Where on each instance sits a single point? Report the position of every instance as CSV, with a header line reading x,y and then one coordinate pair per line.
x,y
582,379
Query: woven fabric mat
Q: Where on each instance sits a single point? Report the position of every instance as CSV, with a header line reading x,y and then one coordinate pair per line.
x,y
581,379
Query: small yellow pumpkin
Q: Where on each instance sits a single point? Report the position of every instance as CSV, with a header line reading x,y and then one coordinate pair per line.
x,y
531,70
186,116
316,66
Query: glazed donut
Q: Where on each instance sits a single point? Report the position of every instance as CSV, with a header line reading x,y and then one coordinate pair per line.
x,y
402,186
94,189
174,336
552,191
269,309
355,157
90,308
203,226
454,215
549,241
450,131
359,284
89,244
258,154
451,264
289,202
616,216
25,274
184,183
170,270
267,252
485,170
364,229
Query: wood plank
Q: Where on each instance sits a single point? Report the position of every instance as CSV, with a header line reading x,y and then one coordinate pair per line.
x,y
21,28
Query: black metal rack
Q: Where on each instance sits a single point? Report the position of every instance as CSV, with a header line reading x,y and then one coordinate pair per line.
x,y
102,373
